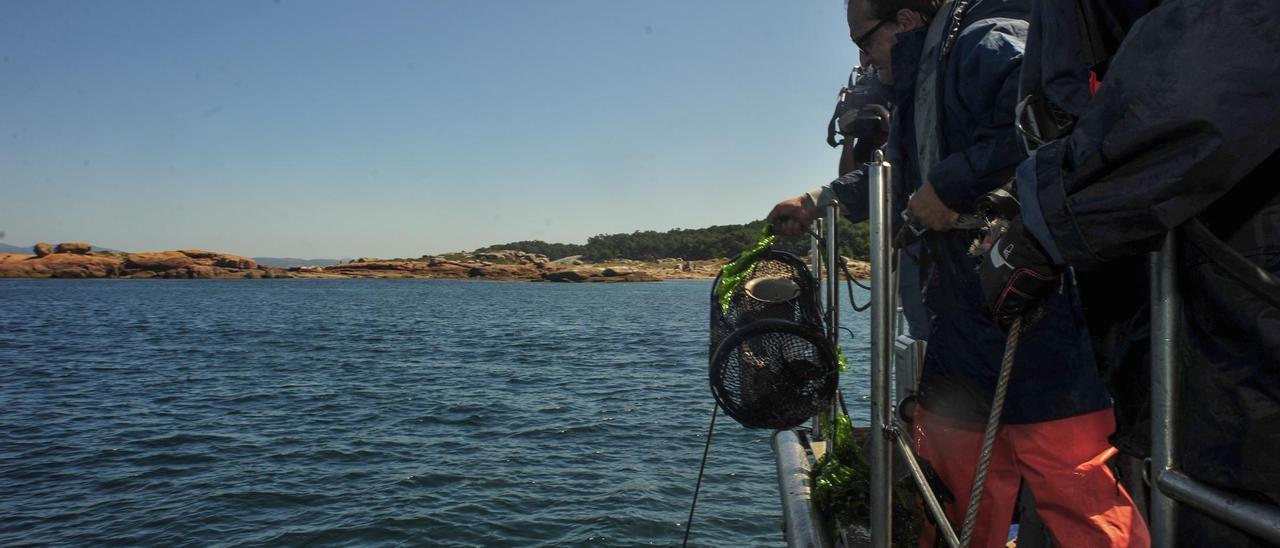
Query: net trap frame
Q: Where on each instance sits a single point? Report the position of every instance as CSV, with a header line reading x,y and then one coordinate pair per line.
x,y
772,365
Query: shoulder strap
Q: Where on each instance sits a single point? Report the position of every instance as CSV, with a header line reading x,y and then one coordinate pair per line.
x,y
957,18
833,125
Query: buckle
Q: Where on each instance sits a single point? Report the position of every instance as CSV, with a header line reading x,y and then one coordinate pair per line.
x,y
1025,122
1038,121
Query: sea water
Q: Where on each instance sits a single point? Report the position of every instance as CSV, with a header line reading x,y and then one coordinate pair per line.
x,y
373,412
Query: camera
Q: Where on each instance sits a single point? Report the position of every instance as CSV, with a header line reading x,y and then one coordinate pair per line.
x,y
861,109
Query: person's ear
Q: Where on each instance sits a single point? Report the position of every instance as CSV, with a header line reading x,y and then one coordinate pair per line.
x,y
909,19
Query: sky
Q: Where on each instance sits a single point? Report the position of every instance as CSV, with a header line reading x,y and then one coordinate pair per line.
x,y
329,129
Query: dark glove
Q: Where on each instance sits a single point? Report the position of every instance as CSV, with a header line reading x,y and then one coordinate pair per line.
x,y
1017,277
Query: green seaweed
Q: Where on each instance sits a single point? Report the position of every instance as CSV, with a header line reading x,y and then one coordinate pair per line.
x,y
842,488
732,273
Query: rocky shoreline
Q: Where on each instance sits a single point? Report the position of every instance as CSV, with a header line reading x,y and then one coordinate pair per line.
x,y
79,260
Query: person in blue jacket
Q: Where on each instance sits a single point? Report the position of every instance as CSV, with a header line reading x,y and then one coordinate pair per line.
x,y
954,80
1146,117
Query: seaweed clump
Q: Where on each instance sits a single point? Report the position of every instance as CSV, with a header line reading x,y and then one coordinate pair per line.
x,y
842,490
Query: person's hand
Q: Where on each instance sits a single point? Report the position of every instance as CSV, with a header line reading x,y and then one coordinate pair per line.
x,y
926,207
1017,276
792,217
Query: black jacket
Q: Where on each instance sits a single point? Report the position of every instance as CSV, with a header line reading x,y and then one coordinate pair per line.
x,y
1185,124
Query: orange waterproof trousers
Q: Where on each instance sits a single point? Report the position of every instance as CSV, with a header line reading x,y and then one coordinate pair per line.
x,y
1062,461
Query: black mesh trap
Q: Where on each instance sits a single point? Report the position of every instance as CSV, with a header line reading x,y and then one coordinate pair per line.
x,y
771,364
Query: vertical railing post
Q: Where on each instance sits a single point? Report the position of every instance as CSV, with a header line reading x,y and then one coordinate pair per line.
x,y
815,263
833,273
882,319
833,294
815,250
1166,311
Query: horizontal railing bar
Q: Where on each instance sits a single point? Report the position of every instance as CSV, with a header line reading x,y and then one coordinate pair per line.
x,y
805,527
1262,520
930,499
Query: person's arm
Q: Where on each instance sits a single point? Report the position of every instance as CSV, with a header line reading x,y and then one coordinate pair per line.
x,y
1189,105
984,62
792,216
850,190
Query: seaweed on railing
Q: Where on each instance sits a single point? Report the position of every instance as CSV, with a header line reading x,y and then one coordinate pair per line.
x,y
842,489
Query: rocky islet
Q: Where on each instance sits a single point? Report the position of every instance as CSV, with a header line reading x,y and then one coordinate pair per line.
x,y
80,260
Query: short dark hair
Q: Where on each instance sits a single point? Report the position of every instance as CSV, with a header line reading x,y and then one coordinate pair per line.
x,y
884,10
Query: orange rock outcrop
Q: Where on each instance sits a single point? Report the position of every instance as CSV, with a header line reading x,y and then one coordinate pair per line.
x,y
77,260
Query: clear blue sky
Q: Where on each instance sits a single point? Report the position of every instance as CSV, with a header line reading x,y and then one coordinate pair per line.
x,y
386,128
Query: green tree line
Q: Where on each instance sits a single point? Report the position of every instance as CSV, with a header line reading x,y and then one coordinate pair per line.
x,y
692,244
554,251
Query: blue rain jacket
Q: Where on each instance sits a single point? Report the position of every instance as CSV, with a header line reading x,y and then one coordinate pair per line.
x,y
1055,375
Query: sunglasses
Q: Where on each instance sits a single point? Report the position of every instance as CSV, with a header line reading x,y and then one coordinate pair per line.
x,y
860,40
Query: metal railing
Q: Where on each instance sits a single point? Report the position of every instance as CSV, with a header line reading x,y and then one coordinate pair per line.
x,y
831,223
805,526
883,314
1173,487
885,432
1165,312
815,261
1170,486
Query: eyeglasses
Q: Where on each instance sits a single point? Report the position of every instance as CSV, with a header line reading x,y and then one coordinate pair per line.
x,y
858,40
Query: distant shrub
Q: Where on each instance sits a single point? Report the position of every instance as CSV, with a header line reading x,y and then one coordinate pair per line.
x,y
691,244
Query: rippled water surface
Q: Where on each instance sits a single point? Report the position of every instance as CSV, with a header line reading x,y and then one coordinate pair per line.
x,y
369,412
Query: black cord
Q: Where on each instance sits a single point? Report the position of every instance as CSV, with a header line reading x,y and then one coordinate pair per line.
x,y
698,486
849,280
815,235
848,284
